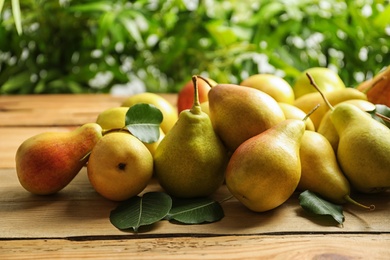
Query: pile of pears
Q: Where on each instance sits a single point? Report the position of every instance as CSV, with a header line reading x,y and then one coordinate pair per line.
x,y
262,148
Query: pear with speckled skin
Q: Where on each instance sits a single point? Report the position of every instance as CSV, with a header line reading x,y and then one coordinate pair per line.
x,y
191,159
47,162
264,171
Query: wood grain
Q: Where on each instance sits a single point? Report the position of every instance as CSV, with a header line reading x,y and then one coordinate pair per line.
x,y
317,247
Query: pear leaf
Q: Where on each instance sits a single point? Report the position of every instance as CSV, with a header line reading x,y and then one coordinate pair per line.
x,y
312,203
195,211
140,211
143,121
383,110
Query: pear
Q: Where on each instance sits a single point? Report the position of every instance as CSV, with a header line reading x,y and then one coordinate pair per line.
x,y
239,113
321,172
191,159
264,171
47,162
308,101
326,127
363,149
293,112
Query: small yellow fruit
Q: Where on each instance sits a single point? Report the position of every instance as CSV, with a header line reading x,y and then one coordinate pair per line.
x,y
325,78
112,118
275,86
292,112
167,109
119,166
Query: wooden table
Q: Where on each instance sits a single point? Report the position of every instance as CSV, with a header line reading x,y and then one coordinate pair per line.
x,y
75,223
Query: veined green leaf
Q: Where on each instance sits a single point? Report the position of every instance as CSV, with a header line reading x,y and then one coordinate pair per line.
x,y
141,211
195,211
143,121
310,202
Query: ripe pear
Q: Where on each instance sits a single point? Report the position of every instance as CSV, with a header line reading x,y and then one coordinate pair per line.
x,y
273,85
264,171
326,127
191,159
320,170
363,149
308,101
239,113
292,112
48,162
120,166
327,80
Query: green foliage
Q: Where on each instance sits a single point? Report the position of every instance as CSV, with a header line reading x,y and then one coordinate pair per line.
x,y
89,46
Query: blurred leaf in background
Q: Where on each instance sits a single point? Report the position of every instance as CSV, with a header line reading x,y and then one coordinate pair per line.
x,y
126,47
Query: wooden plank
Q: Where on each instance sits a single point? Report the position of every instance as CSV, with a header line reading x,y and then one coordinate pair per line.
x,y
78,211
350,246
57,110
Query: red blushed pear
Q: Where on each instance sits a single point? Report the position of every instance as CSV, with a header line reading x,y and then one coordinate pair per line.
x,y
377,89
185,98
48,162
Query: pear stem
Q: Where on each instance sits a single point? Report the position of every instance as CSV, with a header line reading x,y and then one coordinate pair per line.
x,y
385,118
312,82
107,131
205,80
311,112
349,199
196,106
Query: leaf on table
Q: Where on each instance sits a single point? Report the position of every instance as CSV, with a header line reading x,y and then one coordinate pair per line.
x,y
141,211
312,203
195,211
143,121
382,110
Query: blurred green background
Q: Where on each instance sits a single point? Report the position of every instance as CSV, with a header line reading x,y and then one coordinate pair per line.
x,y
125,47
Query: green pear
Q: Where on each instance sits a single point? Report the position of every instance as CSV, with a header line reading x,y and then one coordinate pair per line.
x,y
47,162
191,159
239,113
321,172
264,171
363,149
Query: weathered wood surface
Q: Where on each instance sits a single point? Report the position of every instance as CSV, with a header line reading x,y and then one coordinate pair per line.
x,y
75,222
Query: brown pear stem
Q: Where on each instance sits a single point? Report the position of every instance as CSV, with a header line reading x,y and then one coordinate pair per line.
x,y
205,80
349,199
312,82
311,112
385,118
196,106
122,129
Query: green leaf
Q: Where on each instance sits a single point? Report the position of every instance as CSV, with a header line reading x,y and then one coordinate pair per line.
x,y
143,121
311,202
17,16
141,211
195,211
383,110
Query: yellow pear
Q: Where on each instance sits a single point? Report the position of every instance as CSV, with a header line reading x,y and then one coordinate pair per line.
x,y
363,149
112,118
46,163
292,112
327,80
320,170
239,113
191,159
326,127
308,101
167,109
120,166
264,171
273,85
